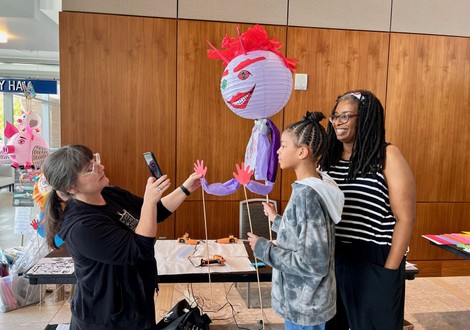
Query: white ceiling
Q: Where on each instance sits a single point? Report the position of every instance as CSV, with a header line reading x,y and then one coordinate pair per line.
x,y
32,50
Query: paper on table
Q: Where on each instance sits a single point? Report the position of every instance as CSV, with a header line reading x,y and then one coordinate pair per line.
x,y
176,258
448,239
172,249
53,266
409,266
436,239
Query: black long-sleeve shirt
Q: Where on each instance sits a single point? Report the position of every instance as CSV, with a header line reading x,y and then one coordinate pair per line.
x,y
115,267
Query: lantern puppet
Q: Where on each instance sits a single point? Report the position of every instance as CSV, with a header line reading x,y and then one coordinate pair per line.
x,y
256,84
26,148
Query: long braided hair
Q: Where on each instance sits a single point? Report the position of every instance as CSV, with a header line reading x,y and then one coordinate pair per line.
x,y
368,153
311,133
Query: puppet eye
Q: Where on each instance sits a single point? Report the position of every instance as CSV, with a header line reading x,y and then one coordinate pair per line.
x,y
21,141
244,74
224,84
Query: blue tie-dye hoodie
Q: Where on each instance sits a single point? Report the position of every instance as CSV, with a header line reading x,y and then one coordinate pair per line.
x,y
303,284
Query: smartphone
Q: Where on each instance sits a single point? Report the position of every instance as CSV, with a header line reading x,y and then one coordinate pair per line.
x,y
152,164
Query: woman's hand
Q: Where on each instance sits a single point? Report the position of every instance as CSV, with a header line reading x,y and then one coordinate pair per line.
x,y
269,211
252,239
155,188
193,182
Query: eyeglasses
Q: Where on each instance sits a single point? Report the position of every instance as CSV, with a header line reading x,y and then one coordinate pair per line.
x,y
342,118
93,168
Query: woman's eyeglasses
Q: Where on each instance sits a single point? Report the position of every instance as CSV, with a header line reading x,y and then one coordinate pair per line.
x,y
93,168
342,118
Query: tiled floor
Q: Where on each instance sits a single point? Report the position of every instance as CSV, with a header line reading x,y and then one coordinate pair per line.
x,y
431,303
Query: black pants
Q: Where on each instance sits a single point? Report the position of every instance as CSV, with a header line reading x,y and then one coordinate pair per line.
x,y
369,295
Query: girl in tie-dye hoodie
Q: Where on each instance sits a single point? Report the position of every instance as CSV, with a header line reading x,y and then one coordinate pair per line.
x,y
303,284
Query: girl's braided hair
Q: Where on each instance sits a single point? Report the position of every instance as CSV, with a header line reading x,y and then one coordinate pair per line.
x,y
311,133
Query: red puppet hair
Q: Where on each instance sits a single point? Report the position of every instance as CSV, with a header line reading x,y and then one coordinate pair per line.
x,y
255,38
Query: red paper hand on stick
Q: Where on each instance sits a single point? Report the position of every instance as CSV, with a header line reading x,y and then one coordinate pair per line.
x,y
199,168
244,174
35,224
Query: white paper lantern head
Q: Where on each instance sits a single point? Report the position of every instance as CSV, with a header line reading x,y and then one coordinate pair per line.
x,y
256,85
257,80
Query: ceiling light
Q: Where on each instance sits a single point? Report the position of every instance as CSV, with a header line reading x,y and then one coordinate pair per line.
x,y
3,37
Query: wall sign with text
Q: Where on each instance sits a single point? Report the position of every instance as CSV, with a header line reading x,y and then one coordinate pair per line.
x,y
16,86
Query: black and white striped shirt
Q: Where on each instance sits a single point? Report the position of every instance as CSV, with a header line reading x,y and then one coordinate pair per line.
x,y
367,215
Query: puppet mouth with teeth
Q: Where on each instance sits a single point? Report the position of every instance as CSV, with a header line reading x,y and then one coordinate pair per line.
x,y
240,100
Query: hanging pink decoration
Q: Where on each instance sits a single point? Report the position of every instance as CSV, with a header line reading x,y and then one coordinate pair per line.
x,y
26,148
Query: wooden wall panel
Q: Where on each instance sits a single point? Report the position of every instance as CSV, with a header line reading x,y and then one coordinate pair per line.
x,y
118,91
427,112
437,218
222,219
336,61
443,268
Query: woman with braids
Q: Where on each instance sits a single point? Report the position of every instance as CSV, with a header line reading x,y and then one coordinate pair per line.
x,y
110,234
378,216
303,287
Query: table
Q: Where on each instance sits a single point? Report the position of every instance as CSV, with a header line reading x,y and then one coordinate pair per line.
x,y
265,274
453,249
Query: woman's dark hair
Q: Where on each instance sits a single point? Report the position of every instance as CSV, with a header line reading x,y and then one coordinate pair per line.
x,y
61,170
311,133
368,153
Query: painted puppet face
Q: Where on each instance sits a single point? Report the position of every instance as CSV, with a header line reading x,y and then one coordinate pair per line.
x,y
256,85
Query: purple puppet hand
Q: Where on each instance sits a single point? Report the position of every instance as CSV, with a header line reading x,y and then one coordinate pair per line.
x,y
244,174
199,168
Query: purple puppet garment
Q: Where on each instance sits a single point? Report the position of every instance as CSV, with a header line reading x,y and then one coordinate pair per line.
x,y
231,186
261,153
273,157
